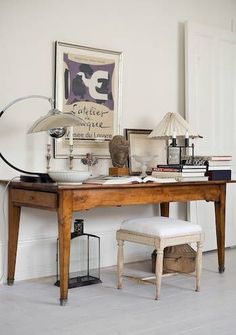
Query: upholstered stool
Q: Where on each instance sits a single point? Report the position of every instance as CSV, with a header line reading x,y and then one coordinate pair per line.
x,y
159,232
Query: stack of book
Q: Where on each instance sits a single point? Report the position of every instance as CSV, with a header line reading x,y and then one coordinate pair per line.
x,y
218,167
181,172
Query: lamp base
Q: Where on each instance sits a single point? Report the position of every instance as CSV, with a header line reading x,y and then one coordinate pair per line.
x,y
39,178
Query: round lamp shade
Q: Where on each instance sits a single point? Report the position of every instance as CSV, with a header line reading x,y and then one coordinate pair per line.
x,y
55,119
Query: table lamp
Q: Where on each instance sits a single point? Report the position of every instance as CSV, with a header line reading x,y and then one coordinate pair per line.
x,y
54,122
173,126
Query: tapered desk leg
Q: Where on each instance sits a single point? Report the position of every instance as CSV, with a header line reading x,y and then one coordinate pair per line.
x,y
165,209
64,228
220,228
13,232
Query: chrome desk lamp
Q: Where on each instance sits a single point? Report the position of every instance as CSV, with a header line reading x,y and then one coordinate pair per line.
x,y
55,122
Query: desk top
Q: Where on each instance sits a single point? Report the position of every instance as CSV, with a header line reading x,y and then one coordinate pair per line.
x,y
55,187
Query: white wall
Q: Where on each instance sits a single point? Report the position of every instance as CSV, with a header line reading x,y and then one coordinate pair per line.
x,y
150,35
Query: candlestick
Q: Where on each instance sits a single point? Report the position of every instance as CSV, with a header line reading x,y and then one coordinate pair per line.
x,y
71,157
186,140
71,136
174,139
49,139
48,156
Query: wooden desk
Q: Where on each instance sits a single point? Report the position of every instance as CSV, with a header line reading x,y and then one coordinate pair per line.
x,y
67,199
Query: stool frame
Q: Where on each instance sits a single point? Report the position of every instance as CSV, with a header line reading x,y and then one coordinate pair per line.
x,y
159,243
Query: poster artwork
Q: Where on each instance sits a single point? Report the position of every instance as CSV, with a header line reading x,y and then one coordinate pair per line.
x,y
89,94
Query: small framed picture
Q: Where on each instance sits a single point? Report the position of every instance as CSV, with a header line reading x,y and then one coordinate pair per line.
x,y
88,84
143,151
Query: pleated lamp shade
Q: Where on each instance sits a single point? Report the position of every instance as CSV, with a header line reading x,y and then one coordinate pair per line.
x,y
170,124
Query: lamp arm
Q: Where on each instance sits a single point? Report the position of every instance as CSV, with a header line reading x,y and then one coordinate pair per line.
x,y
50,100
41,177
14,167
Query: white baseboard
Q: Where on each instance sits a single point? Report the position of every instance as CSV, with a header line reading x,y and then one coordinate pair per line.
x,y
37,257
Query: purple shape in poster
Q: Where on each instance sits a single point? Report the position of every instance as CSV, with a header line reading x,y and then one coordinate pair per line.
x,y
89,83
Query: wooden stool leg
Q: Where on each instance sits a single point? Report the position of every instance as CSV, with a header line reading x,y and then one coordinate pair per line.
x,y
120,263
198,265
159,270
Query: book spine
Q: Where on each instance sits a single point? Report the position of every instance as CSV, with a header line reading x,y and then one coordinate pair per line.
x,y
180,167
168,169
220,158
219,167
167,174
184,170
192,179
219,163
210,158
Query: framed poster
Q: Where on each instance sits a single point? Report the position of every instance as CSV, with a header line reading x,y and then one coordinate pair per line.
x,y
87,83
142,150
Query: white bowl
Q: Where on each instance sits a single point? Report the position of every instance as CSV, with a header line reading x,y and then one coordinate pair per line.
x,y
71,176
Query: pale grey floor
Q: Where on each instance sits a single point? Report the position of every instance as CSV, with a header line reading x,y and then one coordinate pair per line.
x,y
31,307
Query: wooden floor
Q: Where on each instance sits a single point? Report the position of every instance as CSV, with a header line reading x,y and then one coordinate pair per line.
x,y
32,307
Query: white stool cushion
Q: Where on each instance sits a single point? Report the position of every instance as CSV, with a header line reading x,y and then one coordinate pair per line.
x,y
161,226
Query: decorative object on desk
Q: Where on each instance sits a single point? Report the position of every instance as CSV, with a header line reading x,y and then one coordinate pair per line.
x,y
87,245
48,154
144,162
54,122
173,126
119,151
71,157
71,148
142,146
87,83
71,176
89,159
118,171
